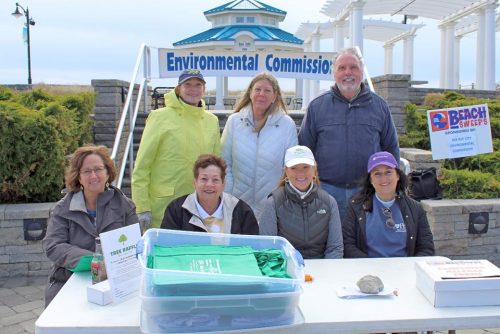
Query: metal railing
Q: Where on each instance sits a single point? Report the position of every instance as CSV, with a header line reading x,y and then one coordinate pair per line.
x,y
144,57
365,70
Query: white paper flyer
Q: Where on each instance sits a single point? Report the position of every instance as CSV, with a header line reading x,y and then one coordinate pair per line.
x,y
122,265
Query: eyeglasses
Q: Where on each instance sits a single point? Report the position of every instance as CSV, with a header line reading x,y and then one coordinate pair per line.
x,y
96,170
389,221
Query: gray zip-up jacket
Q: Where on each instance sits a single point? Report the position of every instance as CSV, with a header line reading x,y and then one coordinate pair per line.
x,y
311,224
343,134
71,233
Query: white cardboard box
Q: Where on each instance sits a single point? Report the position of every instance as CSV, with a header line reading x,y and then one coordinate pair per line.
x,y
459,282
100,293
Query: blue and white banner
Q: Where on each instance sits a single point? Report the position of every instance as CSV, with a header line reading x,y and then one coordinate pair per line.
x,y
295,65
460,131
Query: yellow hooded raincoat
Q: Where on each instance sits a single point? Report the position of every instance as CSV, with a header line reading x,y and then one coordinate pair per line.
x,y
173,139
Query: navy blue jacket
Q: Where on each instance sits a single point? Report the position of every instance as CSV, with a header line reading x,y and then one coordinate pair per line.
x,y
419,240
343,134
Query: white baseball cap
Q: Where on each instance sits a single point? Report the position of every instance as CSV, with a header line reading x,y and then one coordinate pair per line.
x,y
299,155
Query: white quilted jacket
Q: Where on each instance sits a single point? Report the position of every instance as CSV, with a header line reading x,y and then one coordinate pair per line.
x,y
255,160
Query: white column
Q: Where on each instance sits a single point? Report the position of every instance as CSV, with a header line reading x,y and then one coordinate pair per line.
x,y
339,36
357,24
481,25
299,87
225,91
219,86
350,33
315,46
450,58
442,63
408,54
489,50
388,48
306,97
456,69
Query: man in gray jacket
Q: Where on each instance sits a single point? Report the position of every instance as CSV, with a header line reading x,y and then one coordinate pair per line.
x,y
344,127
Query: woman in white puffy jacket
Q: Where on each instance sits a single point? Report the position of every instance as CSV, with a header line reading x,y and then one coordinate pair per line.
x,y
254,142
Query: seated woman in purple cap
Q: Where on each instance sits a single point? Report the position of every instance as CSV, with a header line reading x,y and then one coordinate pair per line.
x,y
173,139
382,220
300,211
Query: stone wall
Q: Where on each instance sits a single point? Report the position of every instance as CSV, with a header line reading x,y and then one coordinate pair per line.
x,y
419,159
394,89
416,95
449,221
110,100
18,256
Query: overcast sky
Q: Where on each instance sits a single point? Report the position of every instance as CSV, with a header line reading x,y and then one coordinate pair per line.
x,y
76,41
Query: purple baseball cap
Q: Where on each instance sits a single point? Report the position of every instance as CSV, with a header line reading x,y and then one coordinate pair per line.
x,y
190,74
381,158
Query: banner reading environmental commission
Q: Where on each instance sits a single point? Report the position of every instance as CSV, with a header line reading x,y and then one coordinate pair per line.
x,y
296,65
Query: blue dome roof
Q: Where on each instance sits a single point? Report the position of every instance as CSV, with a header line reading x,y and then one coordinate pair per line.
x,y
239,5
226,33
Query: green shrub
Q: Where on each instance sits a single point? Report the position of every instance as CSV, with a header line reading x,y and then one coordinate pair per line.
x,y
38,130
5,94
464,183
468,177
417,131
82,104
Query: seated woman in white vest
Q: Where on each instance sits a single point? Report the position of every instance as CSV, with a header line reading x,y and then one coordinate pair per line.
x,y
209,208
301,212
382,220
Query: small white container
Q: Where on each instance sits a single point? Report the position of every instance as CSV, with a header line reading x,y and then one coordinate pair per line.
x,y
447,291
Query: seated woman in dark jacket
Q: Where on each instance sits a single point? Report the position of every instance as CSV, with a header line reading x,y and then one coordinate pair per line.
x,y
209,208
381,220
90,207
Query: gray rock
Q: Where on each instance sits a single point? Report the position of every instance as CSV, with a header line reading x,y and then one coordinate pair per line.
x,y
370,284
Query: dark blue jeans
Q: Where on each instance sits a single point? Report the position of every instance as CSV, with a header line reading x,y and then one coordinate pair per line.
x,y
341,195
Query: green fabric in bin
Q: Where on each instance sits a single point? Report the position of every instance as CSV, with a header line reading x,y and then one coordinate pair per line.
x,y
244,268
213,259
272,263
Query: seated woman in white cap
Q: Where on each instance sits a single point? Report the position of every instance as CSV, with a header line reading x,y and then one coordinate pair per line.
x,y
382,220
301,212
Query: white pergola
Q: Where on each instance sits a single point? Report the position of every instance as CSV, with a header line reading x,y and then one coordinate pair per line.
x,y
386,32
449,13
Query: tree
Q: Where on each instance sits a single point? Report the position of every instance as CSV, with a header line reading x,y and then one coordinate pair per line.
x,y
122,238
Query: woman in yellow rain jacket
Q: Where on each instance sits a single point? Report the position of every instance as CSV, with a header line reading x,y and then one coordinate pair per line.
x,y
173,139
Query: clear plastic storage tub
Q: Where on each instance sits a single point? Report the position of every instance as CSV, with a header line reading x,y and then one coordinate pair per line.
x,y
169,283
219,313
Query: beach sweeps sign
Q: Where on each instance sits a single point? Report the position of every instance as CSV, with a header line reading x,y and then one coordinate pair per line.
x,y
460,132
295,65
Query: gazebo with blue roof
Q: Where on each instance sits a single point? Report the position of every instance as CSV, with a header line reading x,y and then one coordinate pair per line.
x,y
242,25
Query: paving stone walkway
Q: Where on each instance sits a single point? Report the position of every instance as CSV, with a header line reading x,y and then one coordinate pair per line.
x,y
21,302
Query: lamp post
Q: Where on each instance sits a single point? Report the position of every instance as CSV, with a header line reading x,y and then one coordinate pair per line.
x,y
29,21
